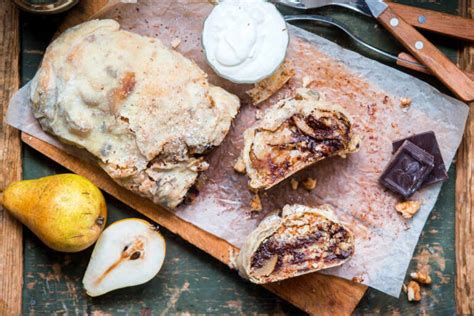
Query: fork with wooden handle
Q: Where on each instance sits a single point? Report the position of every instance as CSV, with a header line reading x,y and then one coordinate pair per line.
x,y
441,23
424,51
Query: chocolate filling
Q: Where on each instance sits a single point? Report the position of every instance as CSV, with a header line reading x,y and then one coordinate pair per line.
x,y
297,250
314,137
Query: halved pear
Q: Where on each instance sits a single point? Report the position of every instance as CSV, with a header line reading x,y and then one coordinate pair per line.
x,y
129,252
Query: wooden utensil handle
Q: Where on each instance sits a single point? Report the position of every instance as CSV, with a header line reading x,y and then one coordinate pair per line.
x,y
442,23
421,68
429,55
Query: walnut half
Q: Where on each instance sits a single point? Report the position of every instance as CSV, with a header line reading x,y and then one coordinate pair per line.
x,y
421,277
408,208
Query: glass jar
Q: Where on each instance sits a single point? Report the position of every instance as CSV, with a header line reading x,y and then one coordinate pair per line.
x,y
46,6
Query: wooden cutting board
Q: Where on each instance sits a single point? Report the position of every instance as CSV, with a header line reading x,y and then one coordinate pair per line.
x,y
313,293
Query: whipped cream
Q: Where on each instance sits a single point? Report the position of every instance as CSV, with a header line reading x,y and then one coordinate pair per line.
x,y
245,40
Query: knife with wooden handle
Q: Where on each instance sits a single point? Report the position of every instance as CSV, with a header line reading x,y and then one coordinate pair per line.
x,y
458,82
442,23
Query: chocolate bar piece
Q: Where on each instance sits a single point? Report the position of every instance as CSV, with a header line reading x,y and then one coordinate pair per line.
x,y
427,141
407,170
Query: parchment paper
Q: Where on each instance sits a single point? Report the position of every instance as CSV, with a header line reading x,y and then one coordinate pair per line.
x,y
370,91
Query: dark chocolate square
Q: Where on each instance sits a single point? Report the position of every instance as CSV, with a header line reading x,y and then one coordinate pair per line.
x,y
427,141
407,170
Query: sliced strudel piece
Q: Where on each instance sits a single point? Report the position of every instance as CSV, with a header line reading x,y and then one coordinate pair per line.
x,y
293,134
302,240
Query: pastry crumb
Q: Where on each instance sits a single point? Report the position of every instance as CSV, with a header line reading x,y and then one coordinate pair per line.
x,y
413,291
256,203
357,279
408,208
239,165
175,43
405,102
310,183
294,184
421,277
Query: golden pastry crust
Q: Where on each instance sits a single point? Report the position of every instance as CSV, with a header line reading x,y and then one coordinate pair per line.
x,y
145,111
293,134
267,87
302,240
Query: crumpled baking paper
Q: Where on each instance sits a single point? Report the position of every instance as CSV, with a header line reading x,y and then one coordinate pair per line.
x,y
370,91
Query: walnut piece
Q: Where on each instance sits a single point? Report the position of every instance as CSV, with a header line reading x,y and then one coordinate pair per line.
x,y
256,204
310,183
239,165
408,208
421,277
294,184
405,102
413,291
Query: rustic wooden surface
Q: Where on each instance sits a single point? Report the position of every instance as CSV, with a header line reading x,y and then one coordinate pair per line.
x,y
190,280
465,196
11,258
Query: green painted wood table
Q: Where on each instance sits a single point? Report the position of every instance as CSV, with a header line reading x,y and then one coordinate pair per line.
x,y
190,280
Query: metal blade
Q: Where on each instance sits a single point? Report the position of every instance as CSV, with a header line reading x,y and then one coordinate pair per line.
x,y
377,7
355,5
333,22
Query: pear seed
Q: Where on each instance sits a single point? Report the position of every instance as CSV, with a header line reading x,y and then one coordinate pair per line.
x,y
135,255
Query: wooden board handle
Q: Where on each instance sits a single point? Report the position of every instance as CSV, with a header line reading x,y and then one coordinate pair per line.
x,y
442,23
429,55
404,56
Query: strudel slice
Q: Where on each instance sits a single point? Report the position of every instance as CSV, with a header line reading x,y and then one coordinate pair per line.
x,y
302,240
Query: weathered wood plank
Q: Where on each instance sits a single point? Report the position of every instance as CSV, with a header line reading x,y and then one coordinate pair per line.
x,y
52,280
11,259
465,195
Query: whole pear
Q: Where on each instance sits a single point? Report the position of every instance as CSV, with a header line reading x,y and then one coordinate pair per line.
x,y
66,211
